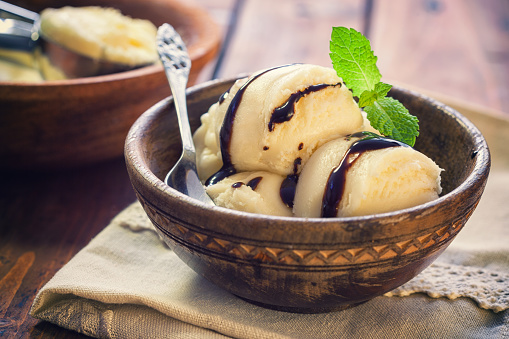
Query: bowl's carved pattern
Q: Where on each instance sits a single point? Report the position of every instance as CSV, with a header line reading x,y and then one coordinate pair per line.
x,y
309,257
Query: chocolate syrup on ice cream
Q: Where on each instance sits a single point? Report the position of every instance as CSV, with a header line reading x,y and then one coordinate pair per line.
x,y
281,114
286,111
335,186
225,134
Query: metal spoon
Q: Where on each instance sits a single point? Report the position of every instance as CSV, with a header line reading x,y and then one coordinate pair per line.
x,y
173,53
20,30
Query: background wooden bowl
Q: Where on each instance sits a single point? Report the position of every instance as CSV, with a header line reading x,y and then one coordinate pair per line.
x,y
61,124
308,265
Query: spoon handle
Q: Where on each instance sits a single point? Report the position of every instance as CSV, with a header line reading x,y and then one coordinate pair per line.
x,y
173,53
176,62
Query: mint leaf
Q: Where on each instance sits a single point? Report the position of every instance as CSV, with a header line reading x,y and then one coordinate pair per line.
x,y
353,60
355,63
382,89
393,120
369,97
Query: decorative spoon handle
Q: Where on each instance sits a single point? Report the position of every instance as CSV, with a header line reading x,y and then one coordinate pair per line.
x,y
173,53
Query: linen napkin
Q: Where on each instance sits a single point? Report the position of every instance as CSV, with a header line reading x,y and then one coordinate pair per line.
x,y
127,284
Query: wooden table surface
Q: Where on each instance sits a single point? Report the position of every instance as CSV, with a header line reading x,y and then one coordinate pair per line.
x,y
458,48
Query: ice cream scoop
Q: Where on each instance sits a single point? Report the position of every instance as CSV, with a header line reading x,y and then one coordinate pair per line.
x,y
364,174
274,120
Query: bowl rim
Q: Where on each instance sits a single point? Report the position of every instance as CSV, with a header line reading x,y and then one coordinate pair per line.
x,y
207,43
480,169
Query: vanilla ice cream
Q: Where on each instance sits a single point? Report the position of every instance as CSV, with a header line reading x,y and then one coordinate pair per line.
x,y
101,33
274,120
359,175
251,192
298,130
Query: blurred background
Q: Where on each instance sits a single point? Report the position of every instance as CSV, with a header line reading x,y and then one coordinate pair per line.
x,y
457,48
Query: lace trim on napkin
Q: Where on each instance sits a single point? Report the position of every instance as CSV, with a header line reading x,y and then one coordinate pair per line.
x,y
487,287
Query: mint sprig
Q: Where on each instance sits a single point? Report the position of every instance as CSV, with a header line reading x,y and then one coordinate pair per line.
x,y
355,63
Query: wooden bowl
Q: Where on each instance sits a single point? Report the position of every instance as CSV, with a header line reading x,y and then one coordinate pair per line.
x,y
61,124
308,265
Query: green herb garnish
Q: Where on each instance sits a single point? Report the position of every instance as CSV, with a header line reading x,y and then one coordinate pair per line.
x,y
355,63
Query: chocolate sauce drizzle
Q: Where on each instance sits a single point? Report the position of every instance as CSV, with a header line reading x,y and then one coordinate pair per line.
x,y
289,184
286,111
223,97
287,189
253,183
237,184
296,163
225,134
335,186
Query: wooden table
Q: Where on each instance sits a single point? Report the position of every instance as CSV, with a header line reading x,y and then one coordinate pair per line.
x,y
458,49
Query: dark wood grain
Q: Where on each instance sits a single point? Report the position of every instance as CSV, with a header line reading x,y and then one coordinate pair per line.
x,y
46,218
272,33
455,47
458,48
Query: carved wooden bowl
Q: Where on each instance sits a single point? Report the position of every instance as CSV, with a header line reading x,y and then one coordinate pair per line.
x,y
61,124
308,265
